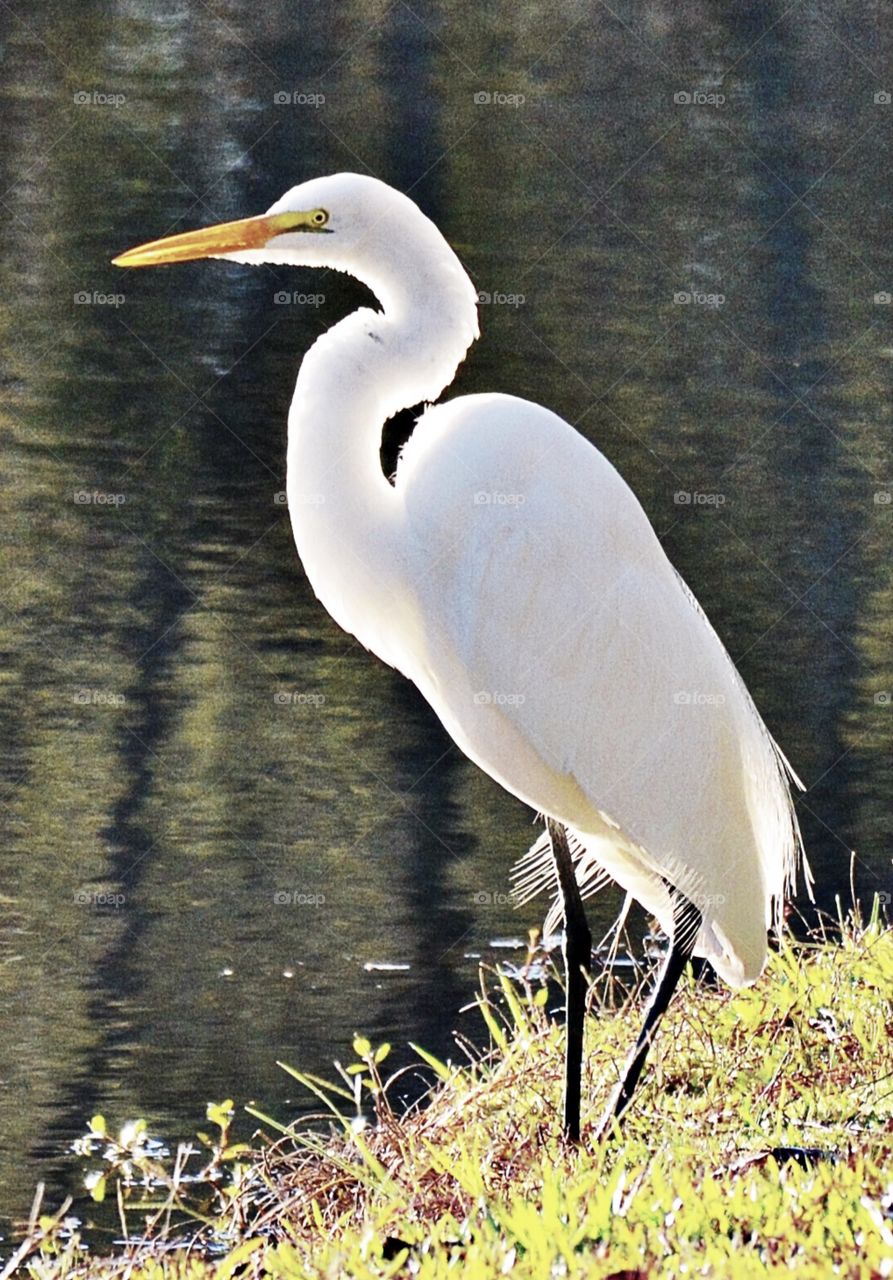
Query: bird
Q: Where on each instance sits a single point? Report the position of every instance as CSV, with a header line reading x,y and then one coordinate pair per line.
x,y
509,572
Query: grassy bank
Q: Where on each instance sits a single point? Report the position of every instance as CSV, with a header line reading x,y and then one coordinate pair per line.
x,y
760,1141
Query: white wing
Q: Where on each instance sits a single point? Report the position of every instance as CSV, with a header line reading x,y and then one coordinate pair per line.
x,y
568,659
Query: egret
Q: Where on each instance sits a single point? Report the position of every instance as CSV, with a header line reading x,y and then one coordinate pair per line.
x,y
511,574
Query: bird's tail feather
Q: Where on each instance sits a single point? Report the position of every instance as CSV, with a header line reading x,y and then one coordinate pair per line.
x,y
535,871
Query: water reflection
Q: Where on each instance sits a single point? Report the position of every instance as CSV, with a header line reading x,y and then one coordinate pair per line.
x,y
206,786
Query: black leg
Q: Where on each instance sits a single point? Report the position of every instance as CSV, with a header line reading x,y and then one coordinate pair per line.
x,y
577,961
686,923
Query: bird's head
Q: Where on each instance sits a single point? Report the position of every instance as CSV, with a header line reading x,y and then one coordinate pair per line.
x,y
347,221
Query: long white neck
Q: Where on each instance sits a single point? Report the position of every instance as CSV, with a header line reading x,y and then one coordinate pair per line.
x,y
345,515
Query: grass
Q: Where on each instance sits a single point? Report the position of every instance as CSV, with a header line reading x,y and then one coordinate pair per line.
x,y
760,1141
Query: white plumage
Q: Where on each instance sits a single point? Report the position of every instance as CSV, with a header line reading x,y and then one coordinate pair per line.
x,y
510,560
609,702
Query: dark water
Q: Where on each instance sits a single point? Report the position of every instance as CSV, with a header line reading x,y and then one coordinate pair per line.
x,y
177,841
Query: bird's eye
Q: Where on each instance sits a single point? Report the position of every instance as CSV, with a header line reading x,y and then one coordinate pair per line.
x,y
319,217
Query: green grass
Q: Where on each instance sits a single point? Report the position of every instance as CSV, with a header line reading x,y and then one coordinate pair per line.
x,y
478,1183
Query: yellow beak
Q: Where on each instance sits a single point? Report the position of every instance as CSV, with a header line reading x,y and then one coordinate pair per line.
x,y
226,237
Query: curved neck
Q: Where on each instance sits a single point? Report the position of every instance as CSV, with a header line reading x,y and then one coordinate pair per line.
x,y
344,513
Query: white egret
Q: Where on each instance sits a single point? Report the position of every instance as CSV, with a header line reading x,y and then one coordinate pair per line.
x,y
512,575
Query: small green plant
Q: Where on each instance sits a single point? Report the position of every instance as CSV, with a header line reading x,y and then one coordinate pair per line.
x,y
194,1185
